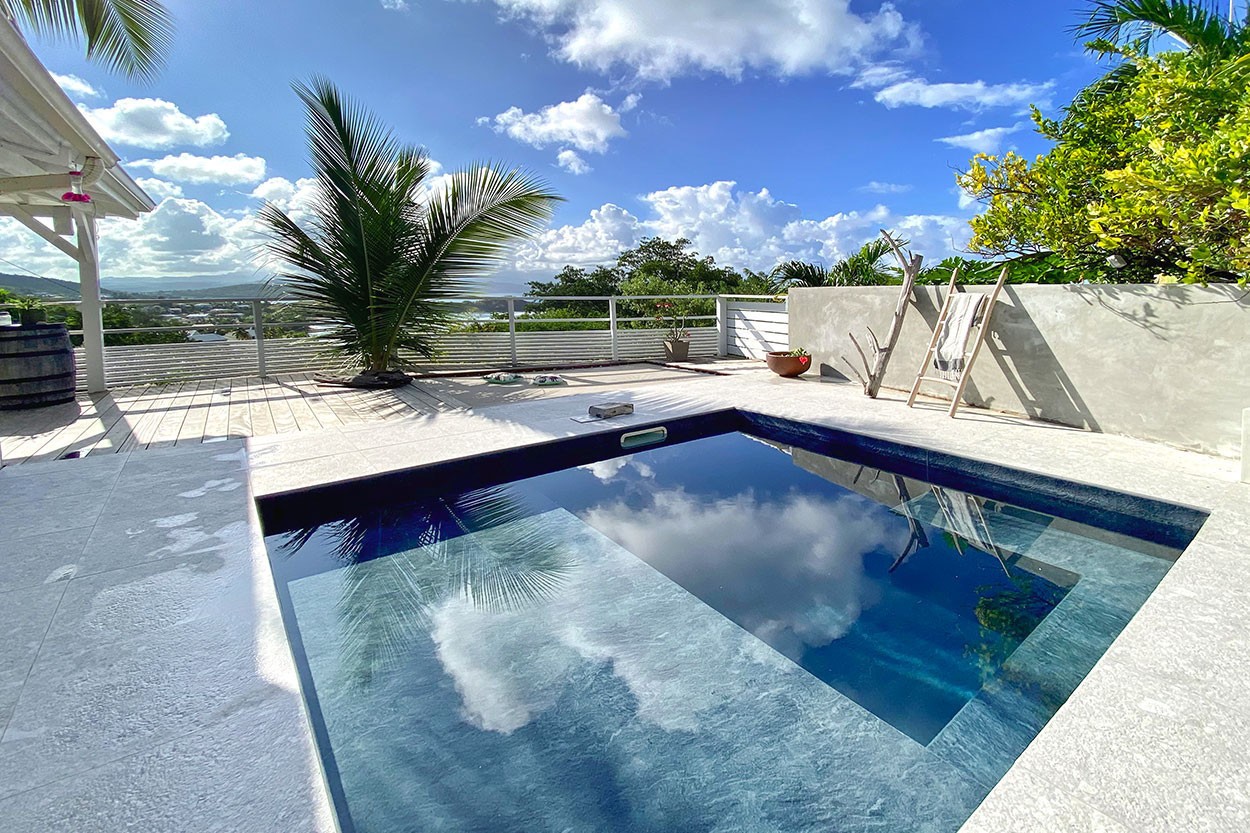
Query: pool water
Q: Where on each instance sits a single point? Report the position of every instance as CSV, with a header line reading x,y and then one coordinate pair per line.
x,y
725,634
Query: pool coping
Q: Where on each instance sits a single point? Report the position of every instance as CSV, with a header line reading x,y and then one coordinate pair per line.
x,y
1044,788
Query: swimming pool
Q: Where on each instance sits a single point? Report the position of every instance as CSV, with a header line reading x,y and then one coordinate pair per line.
x,y
755,625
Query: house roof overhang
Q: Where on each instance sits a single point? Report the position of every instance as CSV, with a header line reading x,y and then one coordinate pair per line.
x,y
43,136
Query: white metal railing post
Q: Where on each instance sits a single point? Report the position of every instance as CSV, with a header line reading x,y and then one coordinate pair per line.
x,y
512,328
722,325
612,327
258,327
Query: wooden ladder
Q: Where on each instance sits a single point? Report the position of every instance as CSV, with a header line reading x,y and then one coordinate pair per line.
x,y
970,357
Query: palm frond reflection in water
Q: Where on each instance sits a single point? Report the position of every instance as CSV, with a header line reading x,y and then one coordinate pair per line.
x,y
488,547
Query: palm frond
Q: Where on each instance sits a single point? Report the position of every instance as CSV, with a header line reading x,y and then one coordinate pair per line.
x,y
127,36
1196,24
382,253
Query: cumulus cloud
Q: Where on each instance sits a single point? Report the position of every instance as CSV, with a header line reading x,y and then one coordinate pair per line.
x,y
588,124
159,189
972,96
75,86
875,187
155,124
744,229
659,40
180,238
395,5
239,169
571,162
989,140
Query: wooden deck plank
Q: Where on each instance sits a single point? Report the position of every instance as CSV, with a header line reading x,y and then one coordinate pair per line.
x,y
189,412
240,414
144,428
307,417
82,436
138,400
192,431
68,423
278,397
217,419
258,404
166,432
333,397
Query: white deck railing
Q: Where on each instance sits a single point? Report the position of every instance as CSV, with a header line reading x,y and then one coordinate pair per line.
x,y
742,326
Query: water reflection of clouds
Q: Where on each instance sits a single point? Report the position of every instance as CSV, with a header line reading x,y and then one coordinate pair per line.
x,y
608,470
788,570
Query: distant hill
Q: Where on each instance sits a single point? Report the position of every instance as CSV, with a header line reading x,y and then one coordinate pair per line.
x,y
31,286
238,290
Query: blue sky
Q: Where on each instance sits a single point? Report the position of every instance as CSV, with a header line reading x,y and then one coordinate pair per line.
x,y
762,129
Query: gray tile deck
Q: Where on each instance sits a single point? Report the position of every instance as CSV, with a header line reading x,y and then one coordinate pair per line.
x,y
161,694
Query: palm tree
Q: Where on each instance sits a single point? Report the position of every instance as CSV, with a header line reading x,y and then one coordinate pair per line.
x,y
382,250
127,36
862,268
1197,24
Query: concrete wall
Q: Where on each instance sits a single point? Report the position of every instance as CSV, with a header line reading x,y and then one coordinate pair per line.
x,y
1163,363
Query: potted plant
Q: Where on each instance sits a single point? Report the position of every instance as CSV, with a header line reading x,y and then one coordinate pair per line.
x,y
30,311
676,336
790,363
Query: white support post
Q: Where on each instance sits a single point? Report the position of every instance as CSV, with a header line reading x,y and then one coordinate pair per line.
x,y
91,308
722,326
612,327
512,328
258,327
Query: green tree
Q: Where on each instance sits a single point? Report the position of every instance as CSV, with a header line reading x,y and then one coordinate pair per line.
x,y
1147,173
382,253
118,317
127,36
654,267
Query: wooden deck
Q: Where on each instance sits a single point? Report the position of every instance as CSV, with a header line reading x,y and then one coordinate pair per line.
x,y
182,413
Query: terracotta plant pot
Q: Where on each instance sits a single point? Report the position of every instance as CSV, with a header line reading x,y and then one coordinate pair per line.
x,y
783,364
676,351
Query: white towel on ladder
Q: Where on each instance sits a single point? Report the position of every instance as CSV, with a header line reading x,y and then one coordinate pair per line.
x,y
952,344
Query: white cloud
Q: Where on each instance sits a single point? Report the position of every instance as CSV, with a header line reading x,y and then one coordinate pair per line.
x,y
395,5
159,189
155,124
659,39
75,86
989,140
875,187
239,169
974,96
587,124
571,162
880,75
743,229
180,238
631,101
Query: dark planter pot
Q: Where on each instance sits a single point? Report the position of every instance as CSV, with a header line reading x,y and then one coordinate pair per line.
x,y
31,317
676,351
783,364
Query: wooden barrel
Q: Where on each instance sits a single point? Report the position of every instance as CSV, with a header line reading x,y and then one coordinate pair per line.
x,y
36,367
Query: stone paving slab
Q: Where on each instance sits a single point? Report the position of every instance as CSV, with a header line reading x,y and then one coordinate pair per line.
x,y
168,541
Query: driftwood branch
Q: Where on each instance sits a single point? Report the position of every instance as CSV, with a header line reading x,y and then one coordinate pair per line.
x,y
911,265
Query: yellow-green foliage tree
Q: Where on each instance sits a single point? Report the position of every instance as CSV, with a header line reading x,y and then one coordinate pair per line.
x,y
1150,163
